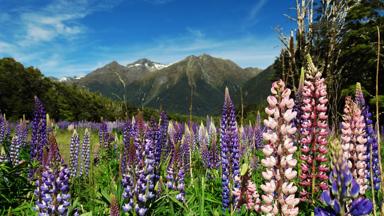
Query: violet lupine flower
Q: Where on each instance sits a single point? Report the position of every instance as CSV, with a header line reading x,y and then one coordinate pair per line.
x,y
342,197
314,132
243,140
208,146
176,167
278,188
258,132
22,132
138,181
74,153
39,138
52,188
103,135
85,154
203,144
127,139
186,147
371,137
3,128
156,138
162,144
14,150
353,142
230,153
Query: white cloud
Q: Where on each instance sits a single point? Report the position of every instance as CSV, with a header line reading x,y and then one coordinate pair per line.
x,y
247,51
256,9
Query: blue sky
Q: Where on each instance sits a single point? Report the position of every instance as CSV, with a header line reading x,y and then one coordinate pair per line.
x,y
74,37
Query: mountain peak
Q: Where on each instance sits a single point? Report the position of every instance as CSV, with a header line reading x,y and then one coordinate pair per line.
x,y
146,63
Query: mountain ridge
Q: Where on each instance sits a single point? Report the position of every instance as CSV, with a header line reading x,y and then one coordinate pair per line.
x,y
145,83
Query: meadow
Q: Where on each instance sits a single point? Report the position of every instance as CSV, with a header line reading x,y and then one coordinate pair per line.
x,y
288,163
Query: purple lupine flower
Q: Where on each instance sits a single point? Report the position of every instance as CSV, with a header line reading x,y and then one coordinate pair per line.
x,y
230,155
39,131
139,178
203,143
163,137
371,136
14,150
85,154
156,139
126,144
103,135
258,130
3,128
74,153
342,197
52,188
22,132
176,167
186,147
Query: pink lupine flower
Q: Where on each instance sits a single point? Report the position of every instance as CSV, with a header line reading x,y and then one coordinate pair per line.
x,y
278,189
313,133
353,143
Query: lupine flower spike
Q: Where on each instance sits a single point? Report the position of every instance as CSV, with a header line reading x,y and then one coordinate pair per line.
x,y
85,154
353,143
342,198
373,169
74,153
39,131
314,132
52,188
230,155
247,193
278,188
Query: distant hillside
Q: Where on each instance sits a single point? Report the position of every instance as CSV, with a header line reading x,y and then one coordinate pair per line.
x,y
19,85
148,84
257,89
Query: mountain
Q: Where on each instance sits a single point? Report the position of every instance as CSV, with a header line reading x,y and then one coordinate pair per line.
x,y
111,79
148,84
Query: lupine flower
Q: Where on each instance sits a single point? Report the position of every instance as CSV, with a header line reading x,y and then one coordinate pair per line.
x,y
163,136
139,179
278,188
22,132
14,150
208,146
258,130
74,153
52,188
127,140
230,155
248,194
39,131
85,154
3,128
186,146
353,142
114,208
342,197
176,167
103,135
371,144
313,133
